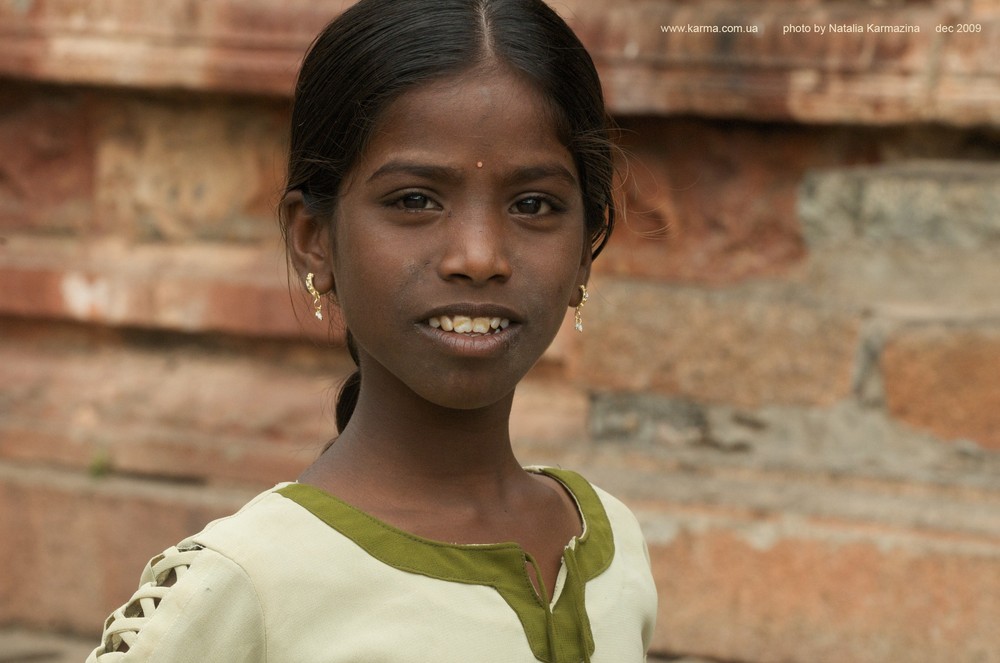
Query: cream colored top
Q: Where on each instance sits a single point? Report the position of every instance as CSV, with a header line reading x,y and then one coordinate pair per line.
x,y
299,576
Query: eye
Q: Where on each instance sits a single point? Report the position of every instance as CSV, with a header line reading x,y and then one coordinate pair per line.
x,y
414,201
533,205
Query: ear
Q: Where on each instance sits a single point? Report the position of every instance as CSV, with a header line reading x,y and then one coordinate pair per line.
x,y
308,239
582,275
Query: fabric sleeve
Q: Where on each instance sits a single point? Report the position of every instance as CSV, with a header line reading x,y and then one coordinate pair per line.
x,y
193,605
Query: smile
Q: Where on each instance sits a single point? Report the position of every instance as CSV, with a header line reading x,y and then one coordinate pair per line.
x,y
463,324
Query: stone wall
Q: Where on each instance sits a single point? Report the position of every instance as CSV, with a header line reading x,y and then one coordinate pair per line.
x,y
791,368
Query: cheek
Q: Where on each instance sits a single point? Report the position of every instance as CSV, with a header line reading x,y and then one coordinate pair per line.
x,y
554,277
569,255
353,271
374,275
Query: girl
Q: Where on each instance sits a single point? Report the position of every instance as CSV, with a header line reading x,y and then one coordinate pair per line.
x,y
449,183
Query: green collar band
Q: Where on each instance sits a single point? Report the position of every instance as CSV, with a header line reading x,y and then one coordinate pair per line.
x,y
555,635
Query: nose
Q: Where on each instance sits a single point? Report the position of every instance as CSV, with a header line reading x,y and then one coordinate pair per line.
x,y
475,248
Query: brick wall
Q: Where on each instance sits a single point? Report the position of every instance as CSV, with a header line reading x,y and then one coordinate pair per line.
x,y
791,369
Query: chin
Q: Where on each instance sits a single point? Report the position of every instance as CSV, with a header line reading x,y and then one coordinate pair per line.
x,y
467,396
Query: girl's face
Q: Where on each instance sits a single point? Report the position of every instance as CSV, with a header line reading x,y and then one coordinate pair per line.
x,y
465,210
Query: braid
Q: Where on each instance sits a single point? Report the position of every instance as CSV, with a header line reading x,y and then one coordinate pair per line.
x,y
347,399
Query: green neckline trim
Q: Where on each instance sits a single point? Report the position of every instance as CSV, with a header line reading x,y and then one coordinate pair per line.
x,y
556,635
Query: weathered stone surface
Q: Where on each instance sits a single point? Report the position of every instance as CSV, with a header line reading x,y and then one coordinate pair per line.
x,y
225,45
922,204
547,410
709,203
765,588
154,405
848,439
864,77
720,202
751,60
189,170
72,547
193,288
945,379
900,283
743,346
47,169
81,163
647,419
655,57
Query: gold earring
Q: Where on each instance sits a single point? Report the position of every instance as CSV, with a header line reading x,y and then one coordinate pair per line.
x,y
317,302
578,318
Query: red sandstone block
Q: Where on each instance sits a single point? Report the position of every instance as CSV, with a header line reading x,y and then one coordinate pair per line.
x,y
786,589
712,203
750,347
192,287
548,410
47,169
227,45
678,57
946,380
72,547
191,169
764,73
971,52
189,411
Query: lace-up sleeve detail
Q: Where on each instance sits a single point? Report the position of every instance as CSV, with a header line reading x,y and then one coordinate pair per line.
x,y
191,602
122,628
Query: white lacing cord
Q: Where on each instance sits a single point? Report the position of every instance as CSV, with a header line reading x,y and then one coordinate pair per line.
x,y
123,626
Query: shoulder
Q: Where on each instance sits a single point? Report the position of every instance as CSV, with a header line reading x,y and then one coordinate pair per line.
x,y
241,533
200,596
631,549
622,597
596,503
622,518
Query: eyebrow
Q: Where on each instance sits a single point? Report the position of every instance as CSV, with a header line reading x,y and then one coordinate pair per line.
x,y
419,169
447,173
541,172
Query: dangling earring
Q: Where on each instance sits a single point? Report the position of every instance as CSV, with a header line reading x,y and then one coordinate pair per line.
x,y
317,302
578,318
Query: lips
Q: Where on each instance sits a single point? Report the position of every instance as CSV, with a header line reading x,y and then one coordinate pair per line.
x,y
471,329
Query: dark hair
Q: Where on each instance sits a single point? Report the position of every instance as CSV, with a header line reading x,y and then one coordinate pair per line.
x,y
378,49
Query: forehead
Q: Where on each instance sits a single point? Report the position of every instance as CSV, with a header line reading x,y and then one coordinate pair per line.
x,y
482,115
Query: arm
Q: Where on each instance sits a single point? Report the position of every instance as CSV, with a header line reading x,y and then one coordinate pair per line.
x,y
193,605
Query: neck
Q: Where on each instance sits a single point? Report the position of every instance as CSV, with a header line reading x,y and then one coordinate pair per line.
x,y
399,442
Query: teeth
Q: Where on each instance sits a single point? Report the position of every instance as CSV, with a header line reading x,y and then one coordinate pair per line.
x,y
464,324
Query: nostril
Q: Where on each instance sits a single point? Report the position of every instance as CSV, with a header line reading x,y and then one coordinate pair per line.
x,y
478,256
